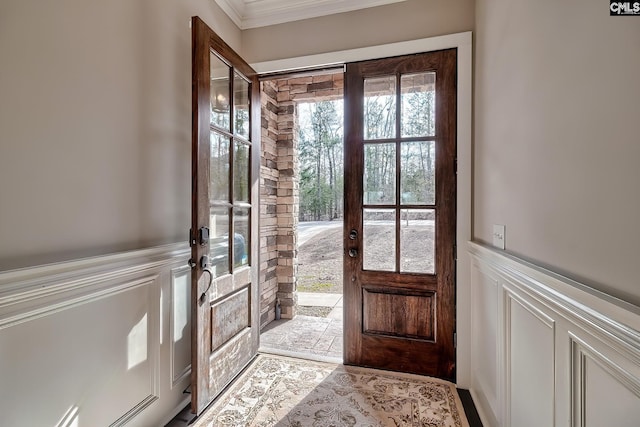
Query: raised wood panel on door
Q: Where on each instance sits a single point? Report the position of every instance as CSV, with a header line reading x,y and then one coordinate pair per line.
x,y
394,319
229,317
407,314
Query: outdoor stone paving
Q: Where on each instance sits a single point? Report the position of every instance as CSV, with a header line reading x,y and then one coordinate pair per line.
x,y
306,335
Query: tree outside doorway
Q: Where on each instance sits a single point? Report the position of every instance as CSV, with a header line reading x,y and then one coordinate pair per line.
x,y
321,158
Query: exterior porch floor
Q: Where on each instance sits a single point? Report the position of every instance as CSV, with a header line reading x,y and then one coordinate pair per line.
x,y
318,338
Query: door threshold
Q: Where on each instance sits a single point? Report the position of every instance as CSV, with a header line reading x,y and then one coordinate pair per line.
x,y
300,355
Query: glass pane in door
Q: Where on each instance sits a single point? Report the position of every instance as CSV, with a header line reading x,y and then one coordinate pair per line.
x,y
219,240
241,236
417,241
240,106
240,172
219,167
418,173
379,174
379,243
380,107
220,111
418,104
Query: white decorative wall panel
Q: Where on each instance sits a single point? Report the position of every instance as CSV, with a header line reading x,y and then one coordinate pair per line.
x,y
484,361
529,372
180,324
607,401
80,342
606,388
102,358
565,355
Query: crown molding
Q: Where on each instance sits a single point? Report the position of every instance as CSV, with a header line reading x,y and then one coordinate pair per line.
x,y
260,13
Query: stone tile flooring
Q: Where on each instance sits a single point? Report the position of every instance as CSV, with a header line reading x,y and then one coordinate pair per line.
x,y
317,338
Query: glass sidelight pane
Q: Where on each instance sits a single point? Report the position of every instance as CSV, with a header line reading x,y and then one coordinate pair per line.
x,y
240,172
219,168
418,104
241,243
379,174
418,173
417,241
380,107
379,243
220,111
219,240
241,106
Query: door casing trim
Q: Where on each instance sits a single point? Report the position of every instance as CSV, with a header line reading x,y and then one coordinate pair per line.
x,y
463,42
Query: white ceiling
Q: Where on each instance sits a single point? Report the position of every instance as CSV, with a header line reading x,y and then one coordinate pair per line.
x,y
260,13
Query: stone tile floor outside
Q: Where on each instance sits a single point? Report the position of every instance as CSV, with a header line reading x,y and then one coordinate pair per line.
x,y
306,336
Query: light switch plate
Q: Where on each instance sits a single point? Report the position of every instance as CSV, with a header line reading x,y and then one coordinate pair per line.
x,y
498,236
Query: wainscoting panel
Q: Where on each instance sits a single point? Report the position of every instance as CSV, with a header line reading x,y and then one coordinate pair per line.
x,y
565,354
529,347
605,387
180,327
81,343
484,320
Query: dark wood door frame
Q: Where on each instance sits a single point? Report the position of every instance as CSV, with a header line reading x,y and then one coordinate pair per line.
x,y
431,353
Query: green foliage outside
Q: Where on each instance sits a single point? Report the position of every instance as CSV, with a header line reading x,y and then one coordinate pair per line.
x,y
320,133
321,160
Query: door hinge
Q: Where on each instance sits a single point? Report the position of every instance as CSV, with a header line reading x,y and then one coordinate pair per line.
x,y
455,340
456,165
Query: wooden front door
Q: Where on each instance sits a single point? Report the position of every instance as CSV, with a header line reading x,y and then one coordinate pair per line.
x,y
400,192
224,222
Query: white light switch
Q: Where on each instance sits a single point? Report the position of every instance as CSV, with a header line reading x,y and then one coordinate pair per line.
x,y
498,236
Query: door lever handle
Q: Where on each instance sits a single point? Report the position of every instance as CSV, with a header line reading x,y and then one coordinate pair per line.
x,y
353,252
204,264
203,297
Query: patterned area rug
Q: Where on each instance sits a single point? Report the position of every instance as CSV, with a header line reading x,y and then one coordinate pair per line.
x,y
286,392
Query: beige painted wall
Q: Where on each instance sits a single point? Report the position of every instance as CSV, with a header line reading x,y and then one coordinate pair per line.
x,y
557,98
409,20
95,112
95,119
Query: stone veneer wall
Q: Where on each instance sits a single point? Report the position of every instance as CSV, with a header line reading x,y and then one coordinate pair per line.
x,y
269,176
279,186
